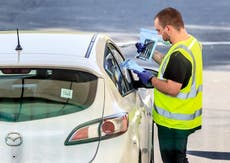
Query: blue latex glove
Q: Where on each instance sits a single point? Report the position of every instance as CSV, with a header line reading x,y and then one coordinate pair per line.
x,y
132,65
144,76
140,47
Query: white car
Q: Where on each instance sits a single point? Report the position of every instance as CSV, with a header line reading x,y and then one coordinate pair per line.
x,y
64,98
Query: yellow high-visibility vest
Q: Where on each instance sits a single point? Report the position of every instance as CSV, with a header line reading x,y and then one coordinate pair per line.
x,y
185,110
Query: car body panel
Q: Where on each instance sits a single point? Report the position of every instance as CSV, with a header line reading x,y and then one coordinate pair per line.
x,y
44,139
61,50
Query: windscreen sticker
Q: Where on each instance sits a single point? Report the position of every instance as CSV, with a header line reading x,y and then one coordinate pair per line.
x,y
66,93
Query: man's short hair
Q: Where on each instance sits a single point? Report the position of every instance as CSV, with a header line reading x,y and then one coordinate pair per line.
x,y
170,16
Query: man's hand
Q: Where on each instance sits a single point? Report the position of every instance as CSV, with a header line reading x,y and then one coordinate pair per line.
x,y
144,76
140,47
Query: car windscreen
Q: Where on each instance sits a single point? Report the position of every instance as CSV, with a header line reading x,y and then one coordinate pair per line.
x,y
36,93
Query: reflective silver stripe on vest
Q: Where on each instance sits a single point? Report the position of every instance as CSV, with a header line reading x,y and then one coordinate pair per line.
x,y
194,91
175,116
164,67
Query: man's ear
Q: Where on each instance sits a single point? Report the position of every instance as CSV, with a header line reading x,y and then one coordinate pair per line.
x,y
168,28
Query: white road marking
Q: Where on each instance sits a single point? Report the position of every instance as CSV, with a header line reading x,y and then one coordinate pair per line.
x,y
208,27
205,43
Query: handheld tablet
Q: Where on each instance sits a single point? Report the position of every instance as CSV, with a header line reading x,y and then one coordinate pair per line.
x,y
150,39
149,50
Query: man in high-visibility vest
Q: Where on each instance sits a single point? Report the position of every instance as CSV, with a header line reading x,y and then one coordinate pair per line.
x,y
177,106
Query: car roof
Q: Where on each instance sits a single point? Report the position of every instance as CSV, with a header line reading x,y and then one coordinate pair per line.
x,y
50,49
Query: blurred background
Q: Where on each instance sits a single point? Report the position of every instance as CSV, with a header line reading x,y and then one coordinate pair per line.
x,y
207,20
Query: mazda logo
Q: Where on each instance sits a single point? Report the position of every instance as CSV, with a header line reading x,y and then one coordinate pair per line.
x,y
13,139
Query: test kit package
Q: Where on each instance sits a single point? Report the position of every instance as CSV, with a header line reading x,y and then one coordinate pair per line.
x,y
150,39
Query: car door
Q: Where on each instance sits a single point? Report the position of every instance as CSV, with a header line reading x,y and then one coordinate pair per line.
x,y
124,82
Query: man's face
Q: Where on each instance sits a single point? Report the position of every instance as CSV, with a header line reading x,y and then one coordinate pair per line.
x,y
161,31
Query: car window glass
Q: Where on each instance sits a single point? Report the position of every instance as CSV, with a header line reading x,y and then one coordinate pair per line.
x,y
112,69
29,94
119,76
119,60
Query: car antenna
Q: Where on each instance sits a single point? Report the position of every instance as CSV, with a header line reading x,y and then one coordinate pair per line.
x,y
18,47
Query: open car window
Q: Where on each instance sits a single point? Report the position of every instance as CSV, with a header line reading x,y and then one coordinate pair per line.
x,y
120,76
